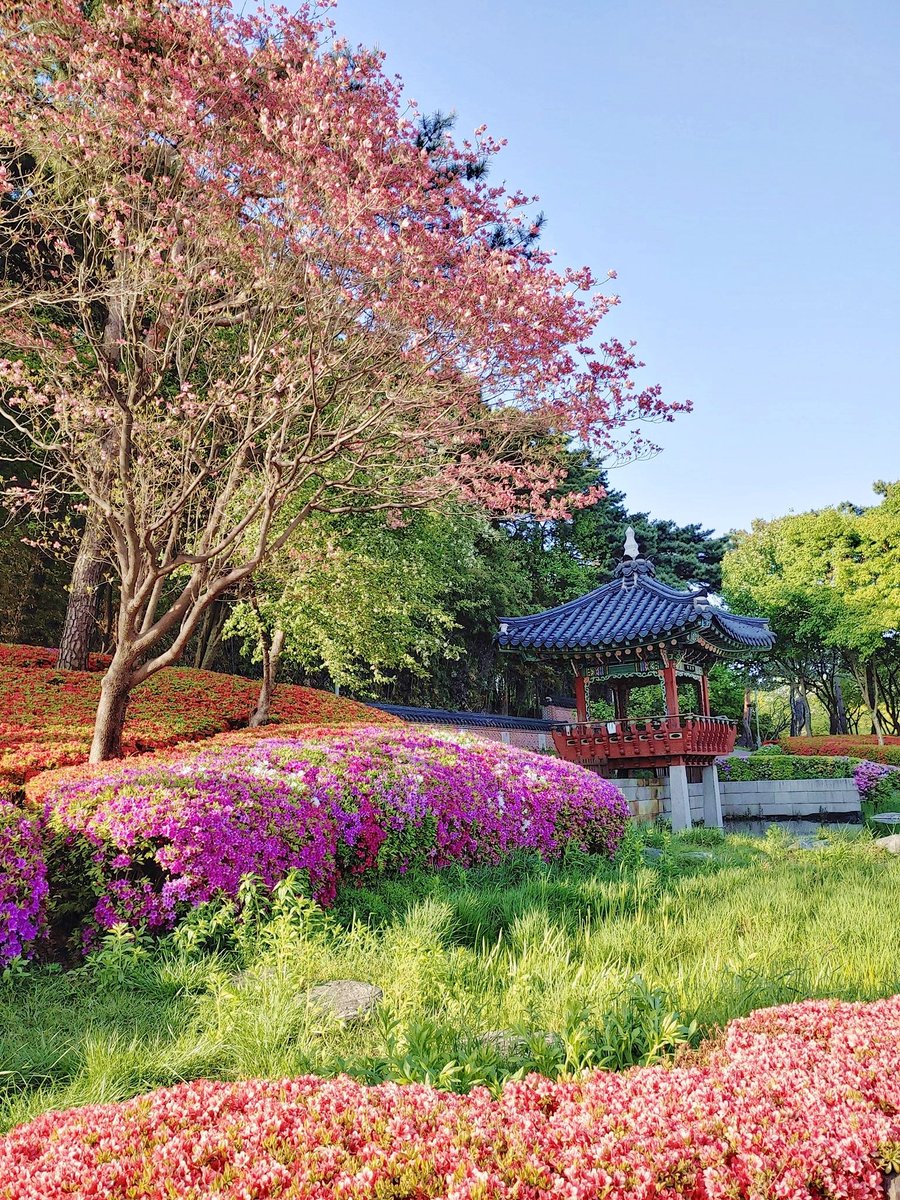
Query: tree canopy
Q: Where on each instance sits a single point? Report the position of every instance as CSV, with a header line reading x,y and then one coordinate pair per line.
x,y
829,583
234,275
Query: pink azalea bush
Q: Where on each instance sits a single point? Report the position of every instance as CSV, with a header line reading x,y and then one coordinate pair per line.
x,y
800,1101
152,839
23,883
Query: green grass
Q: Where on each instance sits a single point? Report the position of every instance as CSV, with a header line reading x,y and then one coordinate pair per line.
x,y
616,964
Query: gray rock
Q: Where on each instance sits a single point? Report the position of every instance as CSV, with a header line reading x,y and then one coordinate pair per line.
x,y
892,1185
652,852
892,845
345,999
511,1045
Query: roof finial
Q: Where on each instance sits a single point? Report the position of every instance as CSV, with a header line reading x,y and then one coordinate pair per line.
x,y
631,546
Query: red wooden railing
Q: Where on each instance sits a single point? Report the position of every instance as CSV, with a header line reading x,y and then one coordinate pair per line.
x,y
620,743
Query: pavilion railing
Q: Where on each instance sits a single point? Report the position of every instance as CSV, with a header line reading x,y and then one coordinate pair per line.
x,y
687,736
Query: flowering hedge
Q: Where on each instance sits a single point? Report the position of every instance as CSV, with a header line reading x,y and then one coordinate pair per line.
x,y
848,745
150,838
46,716
801,1101
23,882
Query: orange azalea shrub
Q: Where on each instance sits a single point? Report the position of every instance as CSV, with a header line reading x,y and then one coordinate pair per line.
x,y
46,716
852,745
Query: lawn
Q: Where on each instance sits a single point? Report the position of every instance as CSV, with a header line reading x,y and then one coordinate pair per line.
x,y
617,963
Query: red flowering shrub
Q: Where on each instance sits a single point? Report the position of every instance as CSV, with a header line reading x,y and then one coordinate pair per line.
x,y
846,745
795,1102
46,716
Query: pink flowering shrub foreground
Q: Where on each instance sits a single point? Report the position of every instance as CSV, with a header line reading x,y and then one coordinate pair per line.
x,y
145,840
801,1101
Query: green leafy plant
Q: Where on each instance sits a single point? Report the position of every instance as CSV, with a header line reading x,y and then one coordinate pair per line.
x,y
120,959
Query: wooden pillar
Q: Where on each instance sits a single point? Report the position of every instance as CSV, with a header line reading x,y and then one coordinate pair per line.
x,y
580,698
704,695
620,700
670,683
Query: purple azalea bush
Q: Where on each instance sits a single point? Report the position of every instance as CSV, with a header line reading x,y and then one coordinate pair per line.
x,y
23,883
155,839
868,775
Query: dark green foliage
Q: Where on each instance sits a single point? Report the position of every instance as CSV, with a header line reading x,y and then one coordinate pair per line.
x,y
32,591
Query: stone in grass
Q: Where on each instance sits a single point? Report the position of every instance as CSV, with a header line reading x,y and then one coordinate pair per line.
x,y
892,845
514,1045
345,999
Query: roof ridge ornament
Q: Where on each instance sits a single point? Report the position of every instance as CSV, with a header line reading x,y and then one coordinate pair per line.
x,y
633,567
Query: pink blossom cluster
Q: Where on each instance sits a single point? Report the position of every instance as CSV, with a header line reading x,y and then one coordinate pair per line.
x,y
23,882
213,145
175,832
795,1102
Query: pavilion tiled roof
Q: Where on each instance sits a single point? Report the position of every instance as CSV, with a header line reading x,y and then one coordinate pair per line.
x,y
445,716
635,609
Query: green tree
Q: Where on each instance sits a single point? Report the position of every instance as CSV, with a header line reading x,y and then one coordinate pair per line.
x,y
357,600
829,583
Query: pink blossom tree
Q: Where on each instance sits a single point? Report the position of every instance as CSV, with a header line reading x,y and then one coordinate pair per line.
x,y
256,296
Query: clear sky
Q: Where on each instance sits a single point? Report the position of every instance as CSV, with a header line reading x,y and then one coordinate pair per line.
x,y
737,164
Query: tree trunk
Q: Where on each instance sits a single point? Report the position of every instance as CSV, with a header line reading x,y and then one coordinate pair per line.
x,y
271,652
868,688
209,639
115,692
747,739
81,613
840,708
872,701
806,727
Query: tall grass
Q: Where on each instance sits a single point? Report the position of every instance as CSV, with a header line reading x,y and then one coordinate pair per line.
x,y
487,974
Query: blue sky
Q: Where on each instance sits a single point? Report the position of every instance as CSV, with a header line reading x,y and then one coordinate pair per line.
x,y
737,164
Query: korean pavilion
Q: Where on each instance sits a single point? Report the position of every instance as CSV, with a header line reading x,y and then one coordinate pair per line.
x,y
636,632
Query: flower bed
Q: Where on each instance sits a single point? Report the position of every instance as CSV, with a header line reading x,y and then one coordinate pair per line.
x,y
148,839
801,1101
846,745
46,716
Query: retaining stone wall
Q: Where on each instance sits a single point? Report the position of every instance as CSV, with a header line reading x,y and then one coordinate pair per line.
x,y
766,799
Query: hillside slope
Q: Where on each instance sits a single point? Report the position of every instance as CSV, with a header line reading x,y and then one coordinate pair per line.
x,y
46,716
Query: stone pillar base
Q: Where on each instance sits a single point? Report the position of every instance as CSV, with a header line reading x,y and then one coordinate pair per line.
x,y
680,798
712,797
